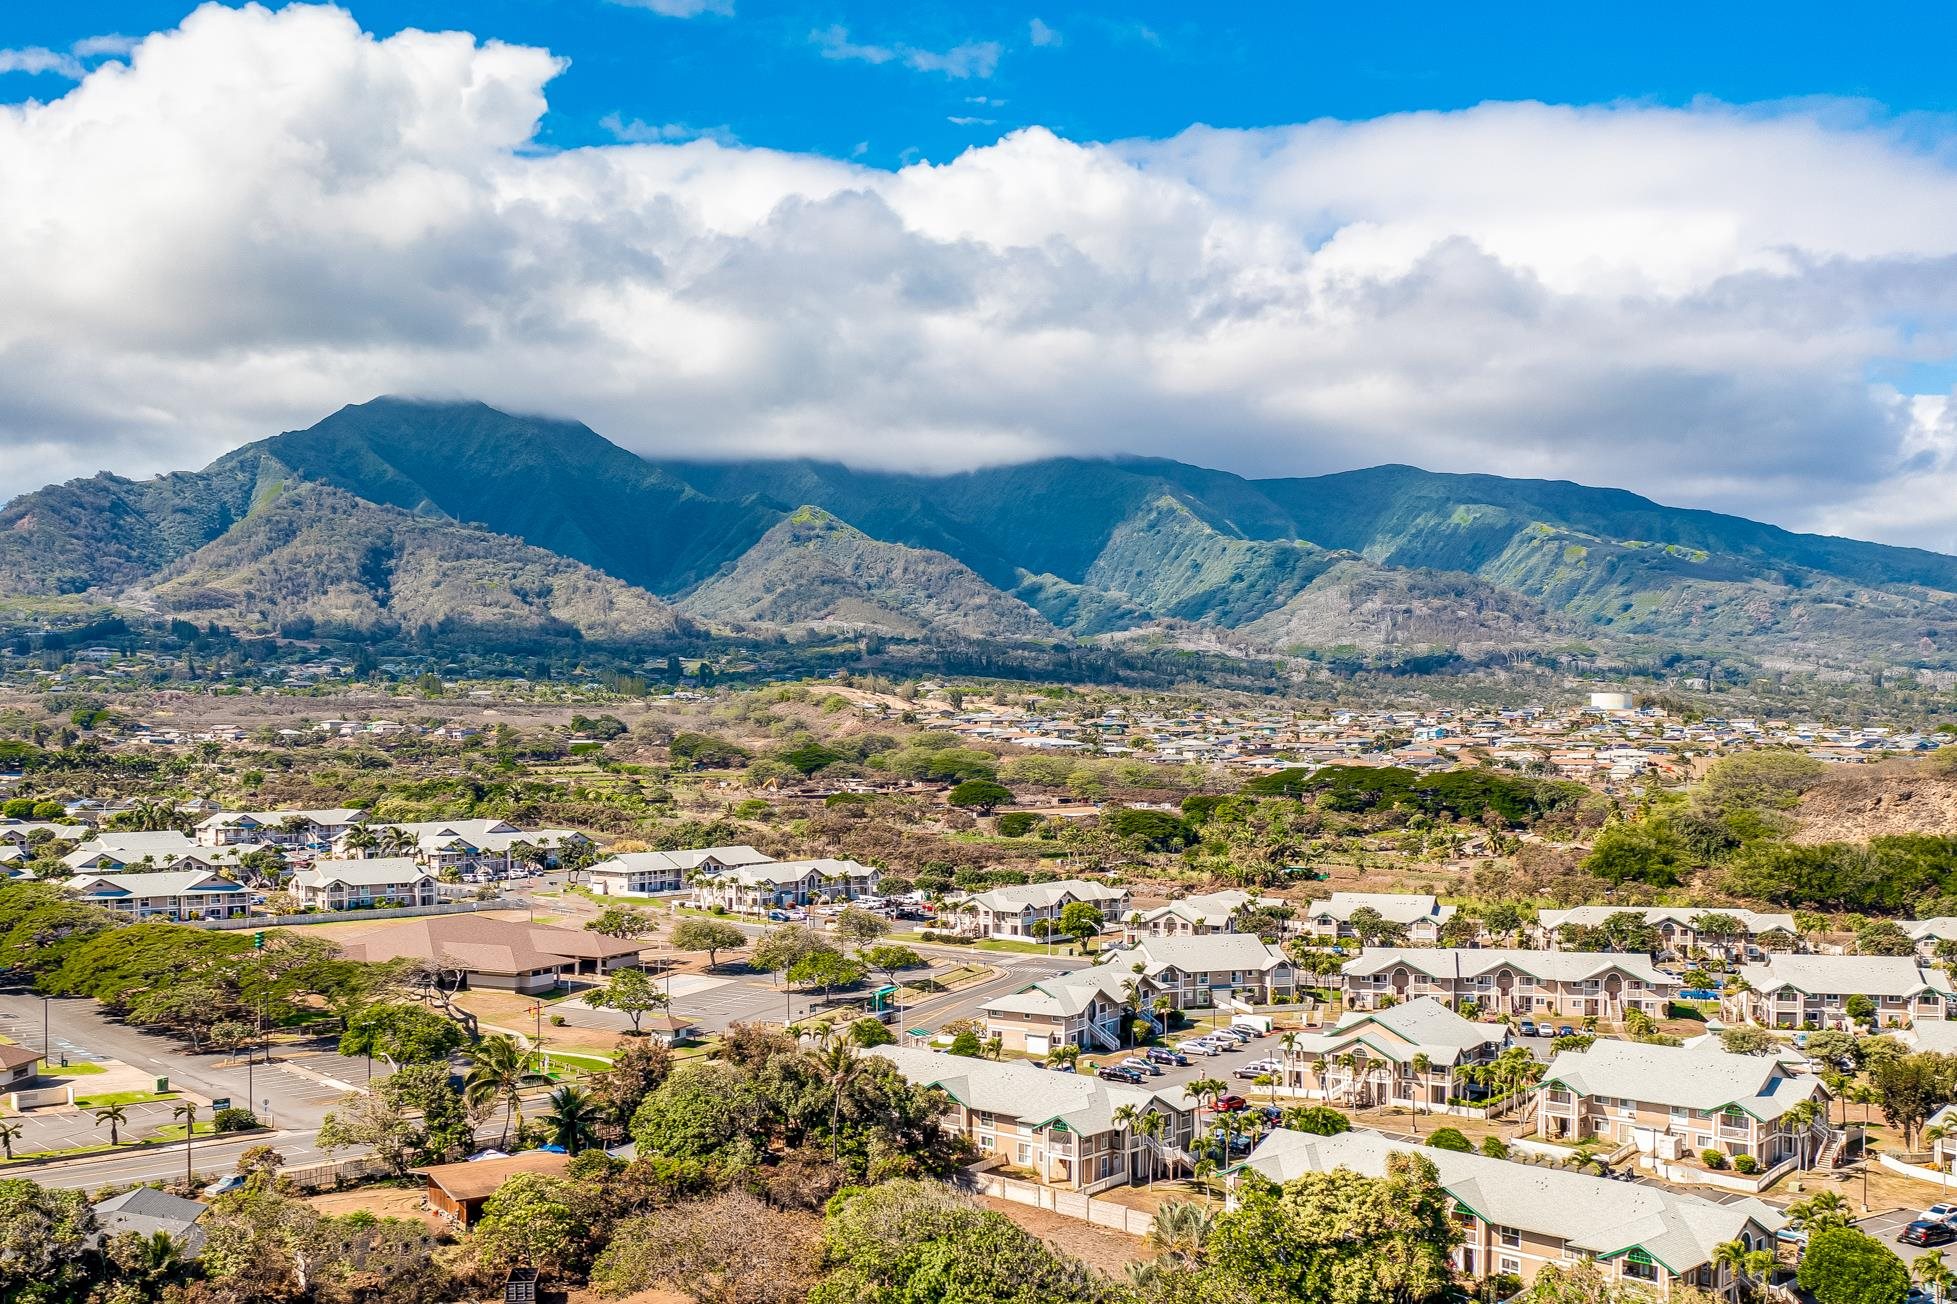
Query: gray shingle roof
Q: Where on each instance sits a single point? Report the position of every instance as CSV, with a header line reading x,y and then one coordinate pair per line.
x,y
1689,1077
1033,1096
1592,1214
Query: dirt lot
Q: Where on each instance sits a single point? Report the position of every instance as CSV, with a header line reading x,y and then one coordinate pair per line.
x,y
1103,1247
382,1202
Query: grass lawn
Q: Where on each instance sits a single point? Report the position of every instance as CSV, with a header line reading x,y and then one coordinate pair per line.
x,y
122,1098
582,1063
79,1069
174,1131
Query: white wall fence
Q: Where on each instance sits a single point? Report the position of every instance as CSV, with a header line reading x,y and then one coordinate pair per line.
x,y
314,1177
40,1098
1068,1204
346,916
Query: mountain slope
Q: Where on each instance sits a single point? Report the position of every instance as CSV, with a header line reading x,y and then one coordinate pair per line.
x,y
554,484
1090,546
813,569
317,559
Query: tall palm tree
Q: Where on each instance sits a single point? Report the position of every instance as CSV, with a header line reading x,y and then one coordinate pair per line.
x,y
1288,1048
115,1116
839,1066
495,1078
573,1118
187,1111
1800,1119
1743,1263
1152,1125
1127,1117
1422,1065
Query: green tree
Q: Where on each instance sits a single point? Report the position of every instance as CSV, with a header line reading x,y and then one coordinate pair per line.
x,y
710,935
625,921
1319,1120
538,1220
401,1033
858,927
1337,1237
981,795
44,1243
629,991
1844,1266
1450,1138
696,1113
911,1242
1080,920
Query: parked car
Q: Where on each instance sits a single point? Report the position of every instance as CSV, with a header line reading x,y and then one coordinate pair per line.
x,y
1229,1104
1566,1031
224,1186
1163,1055
1527,1027
1242,1035
1117,1073
1254,1029
1141,1065
1197,1048
778,916
1922,1232
1940,1212
1251,1071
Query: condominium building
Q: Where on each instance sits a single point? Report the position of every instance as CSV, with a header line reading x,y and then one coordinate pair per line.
x,y
1008,913
1813,991
178,895
1727,932
362,884
1516,1218
1420,916
1193,916
1061,1126
1679,1101
754,889
643,873
1563,984
1409,1055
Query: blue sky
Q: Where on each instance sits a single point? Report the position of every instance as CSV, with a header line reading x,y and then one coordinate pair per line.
x,y
1705,252
759,70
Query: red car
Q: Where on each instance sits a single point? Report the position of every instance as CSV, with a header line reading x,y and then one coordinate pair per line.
x,y
1229,1104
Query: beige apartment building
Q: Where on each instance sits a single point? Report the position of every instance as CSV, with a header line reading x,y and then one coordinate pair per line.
x,y
1675,1102
1015,913
1536,984
1377,1058
1516,1218
1420,915
1193,916
1062,1126
1729,933
1812,991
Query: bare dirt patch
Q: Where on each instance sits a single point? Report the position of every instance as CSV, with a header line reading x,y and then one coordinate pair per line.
x,y
383,1202
1102,1247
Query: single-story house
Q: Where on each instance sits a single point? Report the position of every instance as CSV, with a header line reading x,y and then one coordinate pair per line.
x,y
459,1191
497,953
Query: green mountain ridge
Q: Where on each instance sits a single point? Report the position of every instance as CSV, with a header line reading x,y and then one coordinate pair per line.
x,y
1092,547
317,558
813,569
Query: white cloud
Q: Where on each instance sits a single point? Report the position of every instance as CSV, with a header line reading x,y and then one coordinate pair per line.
x,y
34,59
1041,34
265,214
682,8
111,44
973,59
633,131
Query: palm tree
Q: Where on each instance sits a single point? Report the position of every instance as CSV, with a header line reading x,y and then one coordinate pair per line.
x,y
1181,1230
1127,1117
1931,1271
1152,1125
573,1118
839,1067
360,838
187,1111
9,1133
1349,1063
495,1077
1422,1065
1799,1118
1743,1263
1205,1169
155,1265
1288,1046
115,1116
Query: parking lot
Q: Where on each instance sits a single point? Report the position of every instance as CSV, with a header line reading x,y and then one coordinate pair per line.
x,y
1222,1066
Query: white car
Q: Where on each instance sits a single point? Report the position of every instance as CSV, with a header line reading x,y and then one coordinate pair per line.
x,y
1940,1213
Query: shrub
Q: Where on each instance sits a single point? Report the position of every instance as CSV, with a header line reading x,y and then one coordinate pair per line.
x,y
1450,1138
233,1120
1746,1164
1714,1159
1018,823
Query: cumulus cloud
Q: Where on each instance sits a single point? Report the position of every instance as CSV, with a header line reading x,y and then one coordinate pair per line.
x,y
264,215
1041,34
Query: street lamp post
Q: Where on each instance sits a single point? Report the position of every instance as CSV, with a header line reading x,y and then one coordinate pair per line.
x,y
47,1046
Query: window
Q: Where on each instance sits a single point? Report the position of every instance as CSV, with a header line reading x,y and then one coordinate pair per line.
x,y
1509,1267
1508,1238
1638,1266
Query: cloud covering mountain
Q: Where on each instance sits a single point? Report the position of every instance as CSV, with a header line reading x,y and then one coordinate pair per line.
x,y
259,213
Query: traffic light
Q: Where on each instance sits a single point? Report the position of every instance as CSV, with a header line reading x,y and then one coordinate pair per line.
x,y
258,940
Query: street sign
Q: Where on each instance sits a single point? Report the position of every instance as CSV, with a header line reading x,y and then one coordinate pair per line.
x,y
220,1102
